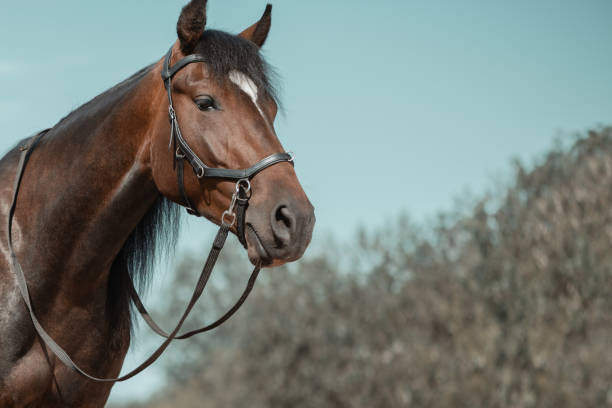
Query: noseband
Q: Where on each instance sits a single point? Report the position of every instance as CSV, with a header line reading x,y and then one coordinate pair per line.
x,y
234,214
182,152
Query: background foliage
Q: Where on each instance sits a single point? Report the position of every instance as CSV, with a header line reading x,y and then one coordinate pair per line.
x,y
503,302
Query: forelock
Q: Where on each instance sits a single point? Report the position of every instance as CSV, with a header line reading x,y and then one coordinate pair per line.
x,y
225,53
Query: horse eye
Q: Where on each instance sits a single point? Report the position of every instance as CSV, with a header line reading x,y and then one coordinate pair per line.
x,y
205,103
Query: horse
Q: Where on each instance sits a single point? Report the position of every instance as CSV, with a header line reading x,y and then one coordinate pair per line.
x,y
99,197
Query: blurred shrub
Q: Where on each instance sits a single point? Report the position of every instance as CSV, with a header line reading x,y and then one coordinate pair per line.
x,y
505,304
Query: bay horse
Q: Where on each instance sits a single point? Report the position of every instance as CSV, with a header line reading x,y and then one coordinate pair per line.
x,y
99,197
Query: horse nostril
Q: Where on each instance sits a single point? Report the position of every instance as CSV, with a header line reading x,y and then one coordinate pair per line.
x,y
283,223
284,215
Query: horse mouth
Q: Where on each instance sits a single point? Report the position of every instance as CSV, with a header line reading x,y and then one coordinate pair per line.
x,y
262,254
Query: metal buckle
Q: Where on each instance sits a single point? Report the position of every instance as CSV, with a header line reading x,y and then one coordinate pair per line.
x,y
226,213
244,184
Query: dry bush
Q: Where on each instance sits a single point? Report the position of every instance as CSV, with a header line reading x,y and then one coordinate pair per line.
x,y
504,305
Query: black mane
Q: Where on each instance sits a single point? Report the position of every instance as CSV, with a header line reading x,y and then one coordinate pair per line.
x,y
154,236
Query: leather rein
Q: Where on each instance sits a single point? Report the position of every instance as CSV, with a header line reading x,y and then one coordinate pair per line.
x,y
235,214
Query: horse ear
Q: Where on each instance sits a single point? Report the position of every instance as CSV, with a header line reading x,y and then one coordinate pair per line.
x,y
258,32
190,25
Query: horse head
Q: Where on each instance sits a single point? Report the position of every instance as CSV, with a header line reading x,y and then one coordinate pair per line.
x,y
225,106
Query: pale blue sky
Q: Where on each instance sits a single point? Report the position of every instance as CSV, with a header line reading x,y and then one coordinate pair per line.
x,y
390,105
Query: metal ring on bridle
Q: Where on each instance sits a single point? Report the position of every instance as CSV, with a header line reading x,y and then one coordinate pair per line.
x,y
245,184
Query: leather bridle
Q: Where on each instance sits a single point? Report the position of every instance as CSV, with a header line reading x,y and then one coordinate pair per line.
x,y
183,152
234,214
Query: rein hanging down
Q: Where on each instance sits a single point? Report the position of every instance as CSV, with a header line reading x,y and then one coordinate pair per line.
x,y
235,214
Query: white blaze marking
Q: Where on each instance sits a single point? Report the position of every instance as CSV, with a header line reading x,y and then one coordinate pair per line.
x,y
247,85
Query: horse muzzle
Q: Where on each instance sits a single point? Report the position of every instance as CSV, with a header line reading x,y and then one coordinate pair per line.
x,y
279,234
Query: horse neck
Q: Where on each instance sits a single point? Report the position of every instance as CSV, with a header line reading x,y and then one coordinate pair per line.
x,y
89,184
